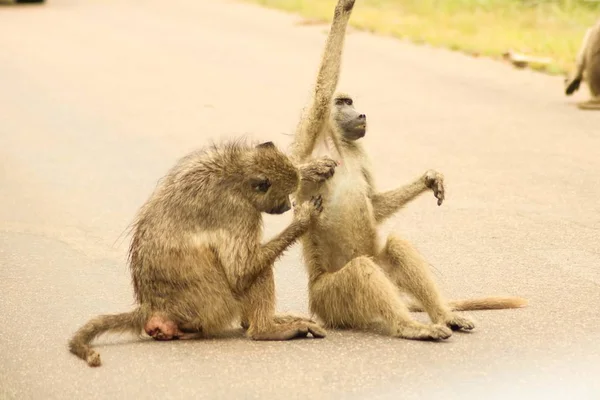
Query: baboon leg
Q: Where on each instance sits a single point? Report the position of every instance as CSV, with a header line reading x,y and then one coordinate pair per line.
x,y
161,327
258,303
360,294
410,272
198,306
258,314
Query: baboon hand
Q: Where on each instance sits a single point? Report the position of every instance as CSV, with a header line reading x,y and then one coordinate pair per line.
x,y
435,181
318,170
346,5
308,211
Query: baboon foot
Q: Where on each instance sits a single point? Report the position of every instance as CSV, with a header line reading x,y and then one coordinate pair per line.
x,y
457,322
161,328
287,319
423,332
287,331
314,329
283,319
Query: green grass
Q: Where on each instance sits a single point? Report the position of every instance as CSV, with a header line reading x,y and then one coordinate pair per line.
x,y
542,28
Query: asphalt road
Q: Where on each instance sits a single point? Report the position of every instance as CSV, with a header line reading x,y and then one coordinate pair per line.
x,y
98,98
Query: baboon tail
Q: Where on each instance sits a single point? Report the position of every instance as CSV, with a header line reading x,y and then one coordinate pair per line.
x,y
80,343
484,303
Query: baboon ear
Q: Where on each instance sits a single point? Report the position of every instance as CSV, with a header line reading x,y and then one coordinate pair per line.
x,y
260,183
266,145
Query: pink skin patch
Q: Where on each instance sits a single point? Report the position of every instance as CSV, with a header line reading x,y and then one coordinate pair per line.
x,y
162,328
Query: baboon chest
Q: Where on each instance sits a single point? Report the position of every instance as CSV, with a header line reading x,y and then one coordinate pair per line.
x,y
347,229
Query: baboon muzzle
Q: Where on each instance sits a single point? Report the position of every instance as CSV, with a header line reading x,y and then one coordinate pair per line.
x,y
284,207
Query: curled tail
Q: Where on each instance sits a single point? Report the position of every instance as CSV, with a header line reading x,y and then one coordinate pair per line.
x,y
80,343
483,303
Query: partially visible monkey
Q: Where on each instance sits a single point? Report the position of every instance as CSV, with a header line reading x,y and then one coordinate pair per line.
x,y
354,280
196,256
587,68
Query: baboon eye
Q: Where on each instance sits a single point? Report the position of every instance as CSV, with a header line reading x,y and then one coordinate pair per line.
x,y
342,101
264,186
261,185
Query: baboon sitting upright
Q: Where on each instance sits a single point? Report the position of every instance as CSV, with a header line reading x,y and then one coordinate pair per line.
x,y
354,280
196,256
587,68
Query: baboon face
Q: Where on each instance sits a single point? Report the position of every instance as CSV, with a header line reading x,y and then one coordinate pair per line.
x,y
352,125
273,178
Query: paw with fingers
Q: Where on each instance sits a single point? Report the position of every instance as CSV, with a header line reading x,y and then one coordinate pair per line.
x,y
318,170
458,323
309,210
347,5
435,181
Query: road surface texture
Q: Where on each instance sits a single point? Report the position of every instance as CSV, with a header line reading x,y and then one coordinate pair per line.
x,y
98,99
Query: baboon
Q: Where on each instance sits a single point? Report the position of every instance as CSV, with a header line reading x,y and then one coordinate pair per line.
x,y
196,257
354,280
587,68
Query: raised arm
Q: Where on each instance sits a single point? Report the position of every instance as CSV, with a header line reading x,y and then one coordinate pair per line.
x,y
385,204
317,113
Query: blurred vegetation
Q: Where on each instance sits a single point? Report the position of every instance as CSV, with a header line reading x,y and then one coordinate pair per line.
x,y
540,28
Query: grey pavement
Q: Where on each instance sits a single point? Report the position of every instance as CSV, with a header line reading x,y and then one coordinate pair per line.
x,y
98,99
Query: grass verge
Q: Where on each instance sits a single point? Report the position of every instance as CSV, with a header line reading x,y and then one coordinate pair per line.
x,y
541,28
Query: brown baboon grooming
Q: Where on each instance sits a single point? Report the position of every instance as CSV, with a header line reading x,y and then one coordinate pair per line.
x,y
196,256
587,68
354,280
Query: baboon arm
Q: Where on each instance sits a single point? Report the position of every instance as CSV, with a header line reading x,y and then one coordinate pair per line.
x,y
314,119
385,204
306,133
314,173
243,264
274,248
